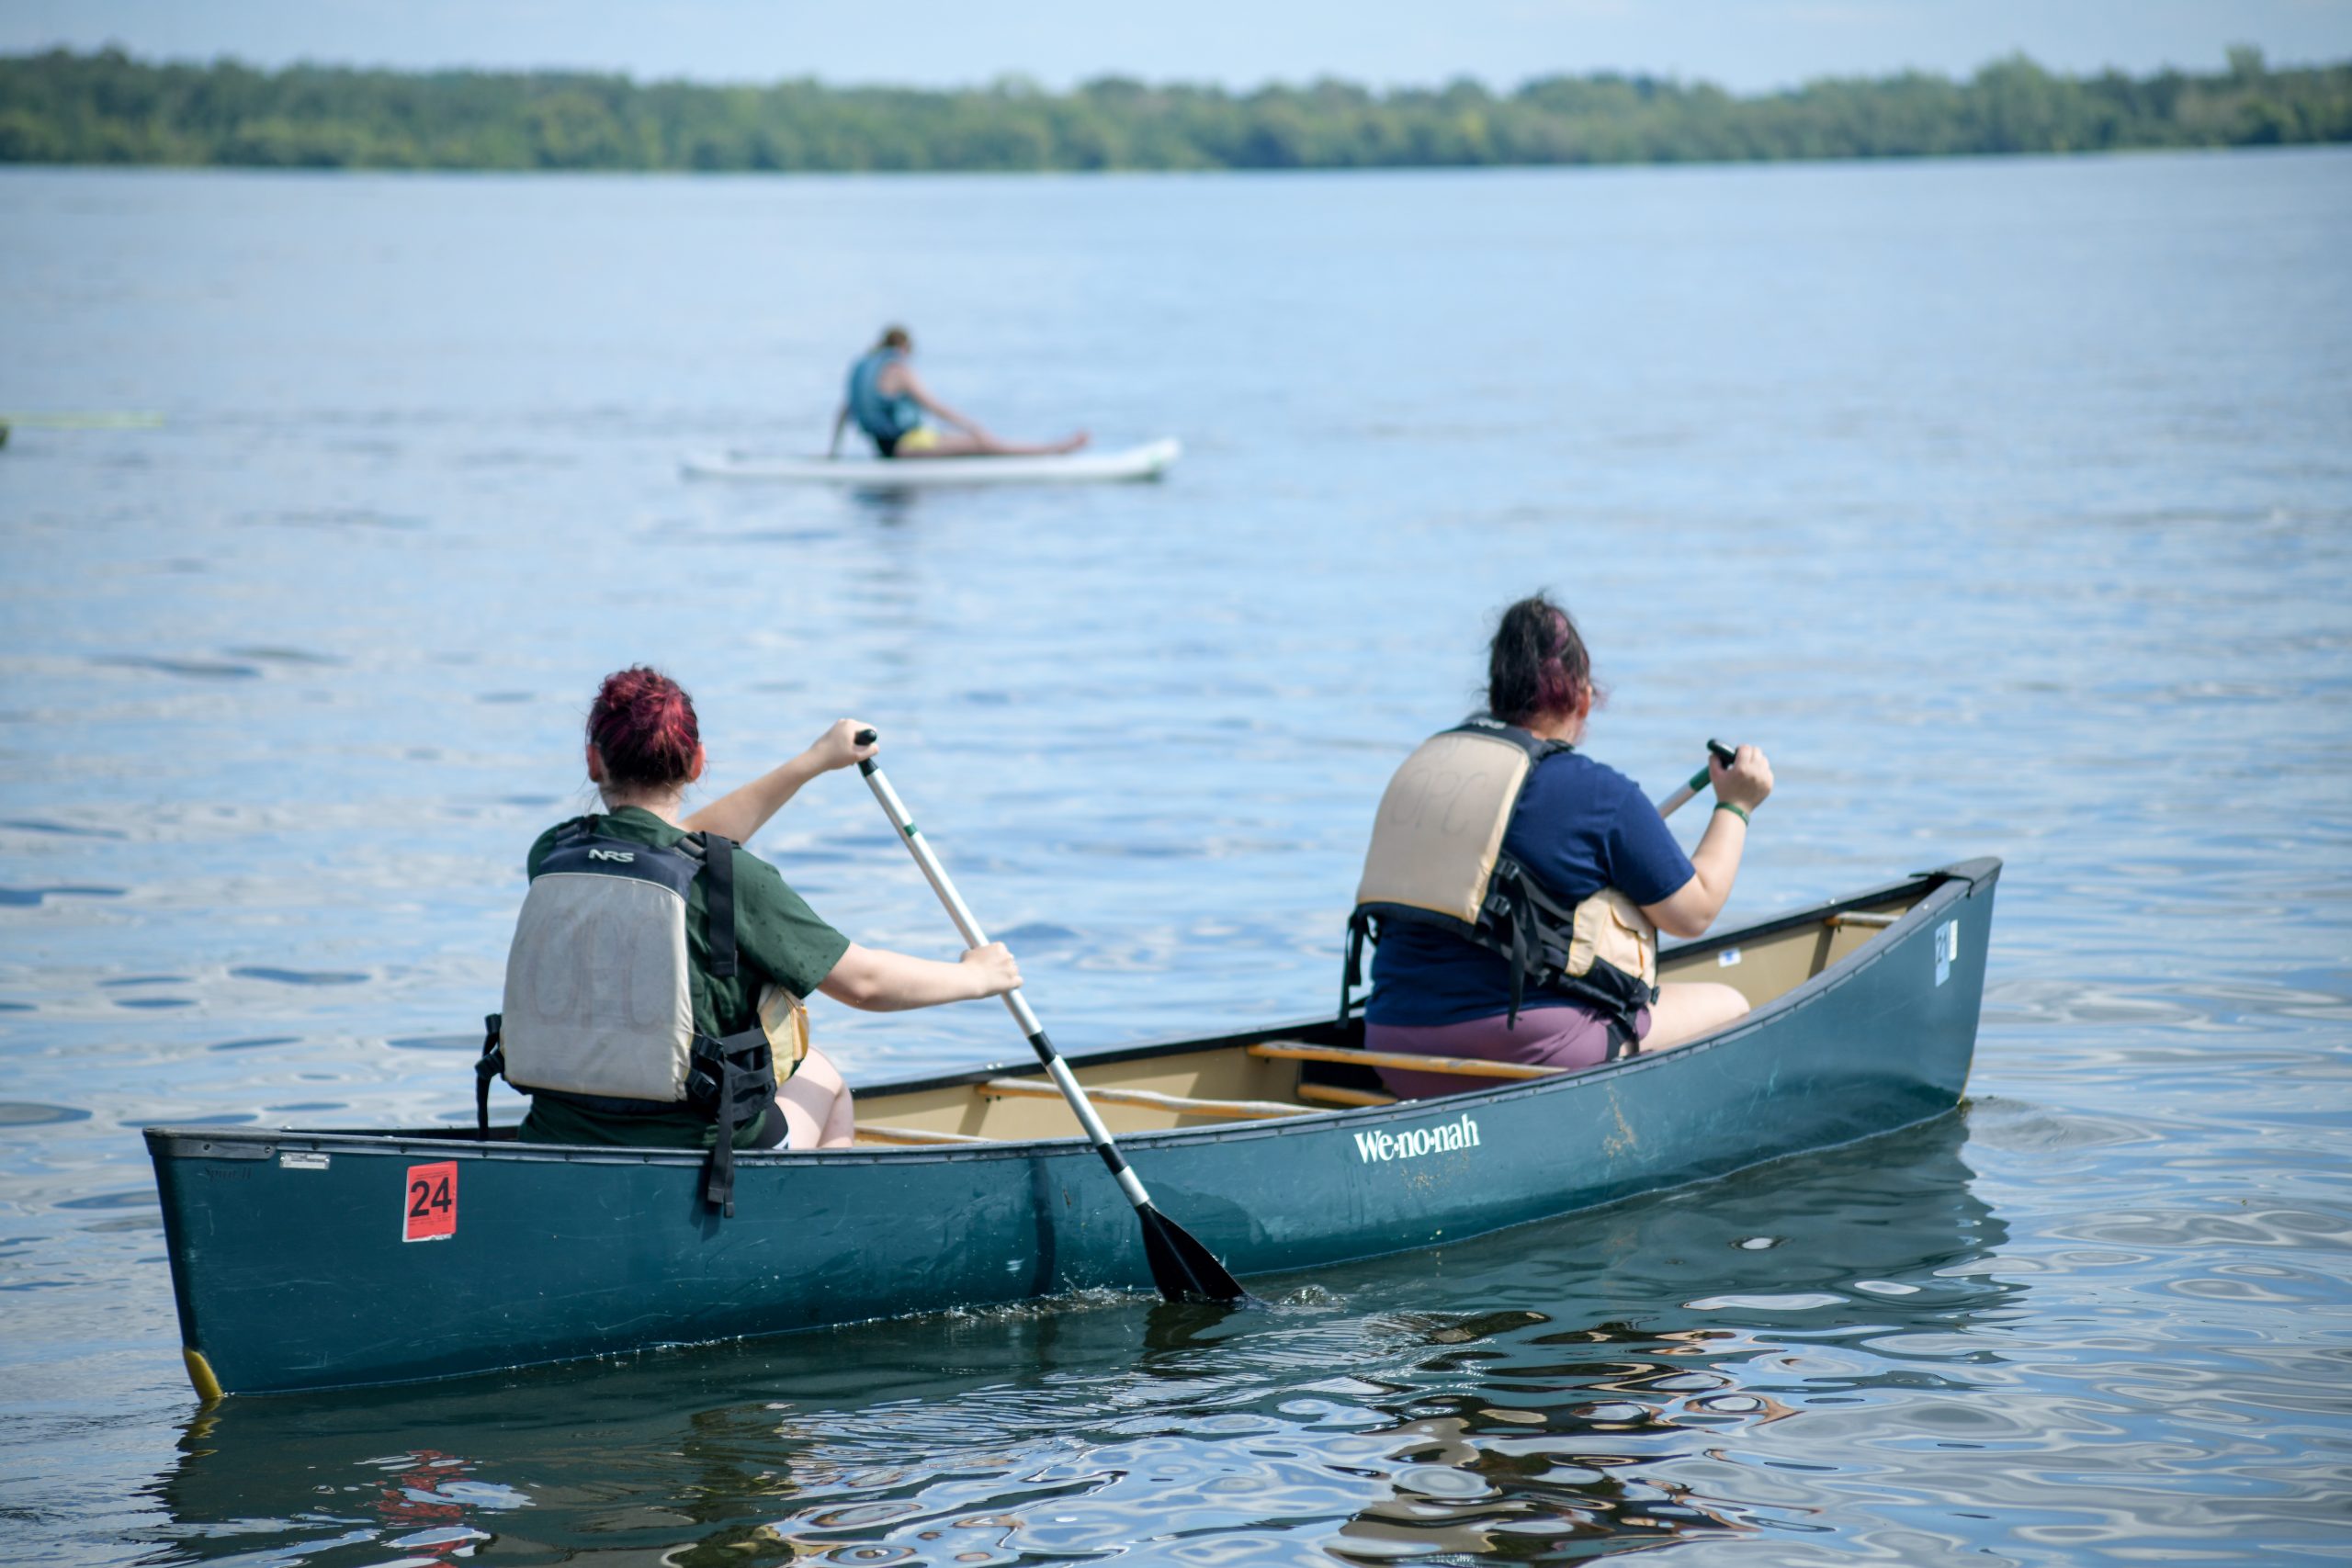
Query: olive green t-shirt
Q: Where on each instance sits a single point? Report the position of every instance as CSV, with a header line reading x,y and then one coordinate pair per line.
x,y
778,937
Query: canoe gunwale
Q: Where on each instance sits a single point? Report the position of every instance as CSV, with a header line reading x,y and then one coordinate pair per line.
x,y
1930,884
1937,889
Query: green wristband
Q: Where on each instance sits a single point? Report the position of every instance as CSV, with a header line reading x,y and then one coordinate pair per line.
x,y
1738,811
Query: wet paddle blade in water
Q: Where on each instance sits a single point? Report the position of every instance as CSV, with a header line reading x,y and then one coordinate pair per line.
x,y
1182,1268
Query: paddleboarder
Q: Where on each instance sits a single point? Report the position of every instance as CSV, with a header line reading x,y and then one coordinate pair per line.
x,y
1585,866
658,971
887,401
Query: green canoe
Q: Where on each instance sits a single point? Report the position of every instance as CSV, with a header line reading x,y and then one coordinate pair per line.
x,y
328,1259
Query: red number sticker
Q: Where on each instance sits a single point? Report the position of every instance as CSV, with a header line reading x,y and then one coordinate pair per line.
x,y
429,1206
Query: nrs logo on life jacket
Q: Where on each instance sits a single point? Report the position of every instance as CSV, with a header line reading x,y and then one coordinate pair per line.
x,y
1437,859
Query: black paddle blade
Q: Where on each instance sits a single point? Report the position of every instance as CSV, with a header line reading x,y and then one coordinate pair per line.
x,y
1182,1268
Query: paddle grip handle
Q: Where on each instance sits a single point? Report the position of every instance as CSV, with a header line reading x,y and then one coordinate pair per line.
x,y
1722,753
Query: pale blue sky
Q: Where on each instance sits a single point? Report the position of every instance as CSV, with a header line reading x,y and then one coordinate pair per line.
x,y
1745,44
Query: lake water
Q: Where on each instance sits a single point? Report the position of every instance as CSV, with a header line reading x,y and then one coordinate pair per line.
x,y
2008,504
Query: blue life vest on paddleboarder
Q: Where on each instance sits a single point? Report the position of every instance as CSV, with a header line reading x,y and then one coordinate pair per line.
x,y
600,992
1437,859
885,417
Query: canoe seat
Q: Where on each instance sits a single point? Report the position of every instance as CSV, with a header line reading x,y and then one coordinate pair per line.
x,y
1332,1094
1462,1066
883,1133
1228,1110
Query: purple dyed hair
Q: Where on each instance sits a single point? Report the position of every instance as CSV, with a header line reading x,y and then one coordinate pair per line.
x,y
1537,664
643,724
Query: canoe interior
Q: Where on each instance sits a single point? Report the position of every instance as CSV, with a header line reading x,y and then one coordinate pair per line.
x,y
1236,1081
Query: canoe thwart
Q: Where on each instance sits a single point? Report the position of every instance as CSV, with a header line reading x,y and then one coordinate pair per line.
x,y
1861,918
1466,1066
1332,1094
1232,1110
883,1133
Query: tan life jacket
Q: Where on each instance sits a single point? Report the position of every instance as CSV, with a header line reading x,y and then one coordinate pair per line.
x,y
1437,859
784,1019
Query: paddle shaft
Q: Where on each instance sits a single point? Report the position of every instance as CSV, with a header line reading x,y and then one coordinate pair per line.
x,y
1014,1002
1697,781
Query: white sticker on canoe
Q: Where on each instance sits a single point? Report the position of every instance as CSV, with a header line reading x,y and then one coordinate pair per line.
x,y
1726,958
1947,949
1414,1142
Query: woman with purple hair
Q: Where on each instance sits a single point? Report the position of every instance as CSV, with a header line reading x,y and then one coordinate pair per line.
x,y
1588,840
591,1004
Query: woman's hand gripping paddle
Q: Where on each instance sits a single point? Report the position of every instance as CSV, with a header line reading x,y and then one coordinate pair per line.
x,y
1180,1266
1698,781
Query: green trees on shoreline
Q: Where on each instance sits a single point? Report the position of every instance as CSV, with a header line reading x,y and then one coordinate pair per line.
x,y
105,107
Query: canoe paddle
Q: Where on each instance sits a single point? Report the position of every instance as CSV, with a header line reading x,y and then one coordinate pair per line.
x,y
1697,781
1180,1266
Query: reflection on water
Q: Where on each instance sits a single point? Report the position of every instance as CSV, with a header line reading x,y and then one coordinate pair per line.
x,y
2007,502
1540,1408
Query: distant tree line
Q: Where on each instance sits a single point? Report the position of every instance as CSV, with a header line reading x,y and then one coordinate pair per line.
x,y
105,107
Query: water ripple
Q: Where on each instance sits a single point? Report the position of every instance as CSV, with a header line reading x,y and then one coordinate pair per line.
x,y
1848,460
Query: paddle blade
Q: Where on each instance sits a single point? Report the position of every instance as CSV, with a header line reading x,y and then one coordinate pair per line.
x,y
1182,1268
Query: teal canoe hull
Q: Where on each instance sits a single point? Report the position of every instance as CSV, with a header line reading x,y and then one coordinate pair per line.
x,y
310,1260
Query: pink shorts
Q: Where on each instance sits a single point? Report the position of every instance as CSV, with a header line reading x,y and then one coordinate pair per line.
x,y
1545,1037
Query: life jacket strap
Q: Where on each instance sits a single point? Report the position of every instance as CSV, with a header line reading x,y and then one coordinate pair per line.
x,y
1351,972
491,1064
730,1081
719,871
1522,916
1529,930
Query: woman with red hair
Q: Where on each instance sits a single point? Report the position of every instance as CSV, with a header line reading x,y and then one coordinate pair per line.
x,y
658,969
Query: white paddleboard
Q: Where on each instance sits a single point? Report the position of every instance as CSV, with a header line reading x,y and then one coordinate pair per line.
x,y
1146,462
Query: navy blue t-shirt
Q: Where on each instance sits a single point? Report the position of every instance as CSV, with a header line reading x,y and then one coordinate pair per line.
x,y
1582,826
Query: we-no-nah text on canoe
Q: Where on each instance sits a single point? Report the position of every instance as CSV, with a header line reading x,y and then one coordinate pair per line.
x,y
1460,1135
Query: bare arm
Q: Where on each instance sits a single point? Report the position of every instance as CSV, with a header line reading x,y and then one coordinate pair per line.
x,y
742,812
912,384
1691,908
875,979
